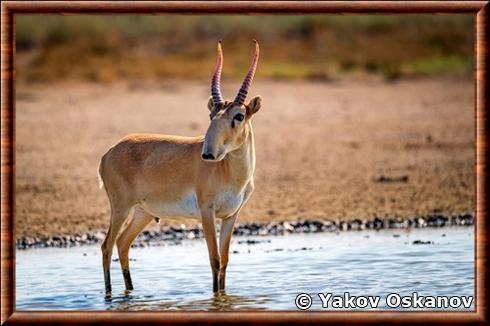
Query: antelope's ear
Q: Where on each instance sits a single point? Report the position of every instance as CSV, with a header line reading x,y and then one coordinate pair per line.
x,y
254,105
213,108
211,104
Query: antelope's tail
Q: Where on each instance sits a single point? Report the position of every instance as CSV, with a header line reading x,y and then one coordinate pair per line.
x,y
101,181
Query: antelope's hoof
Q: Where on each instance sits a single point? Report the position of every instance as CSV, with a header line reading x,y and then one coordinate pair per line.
x,y
220,292
108,296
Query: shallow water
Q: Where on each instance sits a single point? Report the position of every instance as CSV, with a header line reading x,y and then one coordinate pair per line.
x,y
265,275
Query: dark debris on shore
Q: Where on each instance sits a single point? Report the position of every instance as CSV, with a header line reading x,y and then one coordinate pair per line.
x,y
177,234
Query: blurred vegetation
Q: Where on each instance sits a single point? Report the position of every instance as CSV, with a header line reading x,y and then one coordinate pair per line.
x,y
109,48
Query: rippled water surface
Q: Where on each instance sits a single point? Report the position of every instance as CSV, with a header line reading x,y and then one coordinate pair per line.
x,y
264,275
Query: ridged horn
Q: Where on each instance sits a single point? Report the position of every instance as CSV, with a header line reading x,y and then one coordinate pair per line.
x,y
216,80
242,93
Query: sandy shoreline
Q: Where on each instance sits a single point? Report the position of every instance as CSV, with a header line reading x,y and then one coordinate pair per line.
x,y
325,150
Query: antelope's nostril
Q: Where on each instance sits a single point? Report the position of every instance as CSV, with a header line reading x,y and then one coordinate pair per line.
x,y
208,156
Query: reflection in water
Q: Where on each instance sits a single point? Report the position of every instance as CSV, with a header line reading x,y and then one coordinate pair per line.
x,y
267,273
218,302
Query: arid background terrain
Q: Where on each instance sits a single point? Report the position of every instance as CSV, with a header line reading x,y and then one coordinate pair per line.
x,y
361,117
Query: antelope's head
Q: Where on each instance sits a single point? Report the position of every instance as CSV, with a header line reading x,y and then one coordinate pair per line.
x,y
230,121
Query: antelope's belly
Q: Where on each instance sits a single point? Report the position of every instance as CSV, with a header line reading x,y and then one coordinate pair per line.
x,y
185,206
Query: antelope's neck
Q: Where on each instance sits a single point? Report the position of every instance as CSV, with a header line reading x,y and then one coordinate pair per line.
x,y
241,162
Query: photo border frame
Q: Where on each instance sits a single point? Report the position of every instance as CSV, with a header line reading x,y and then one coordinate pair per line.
x,y
10,9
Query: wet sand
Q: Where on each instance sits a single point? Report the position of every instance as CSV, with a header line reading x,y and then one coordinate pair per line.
x,y
338,151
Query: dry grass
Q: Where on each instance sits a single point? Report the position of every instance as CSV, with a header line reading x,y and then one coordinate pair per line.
x,y
113,48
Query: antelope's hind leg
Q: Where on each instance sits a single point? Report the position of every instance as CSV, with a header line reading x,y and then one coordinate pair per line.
x,y
139,221
119,214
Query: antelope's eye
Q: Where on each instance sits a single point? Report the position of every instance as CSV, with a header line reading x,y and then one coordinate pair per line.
x,y
239,117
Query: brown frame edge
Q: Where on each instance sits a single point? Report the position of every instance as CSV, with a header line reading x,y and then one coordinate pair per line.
x,y
10,8
243,7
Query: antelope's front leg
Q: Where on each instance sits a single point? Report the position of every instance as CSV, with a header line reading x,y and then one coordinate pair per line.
x,y
225,234
209,227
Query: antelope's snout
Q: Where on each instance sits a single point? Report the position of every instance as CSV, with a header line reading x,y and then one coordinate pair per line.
x,y
211,153
208,157
212,149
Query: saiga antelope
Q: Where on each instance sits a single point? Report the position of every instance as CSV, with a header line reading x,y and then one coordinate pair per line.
x,y
164,176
